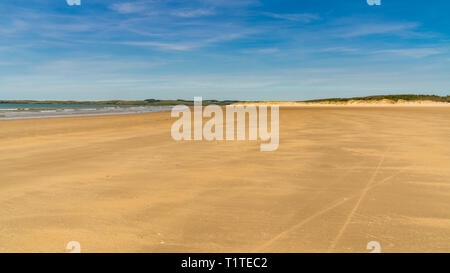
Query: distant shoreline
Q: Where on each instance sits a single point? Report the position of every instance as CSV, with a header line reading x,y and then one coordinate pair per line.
x,y
371,100
149,102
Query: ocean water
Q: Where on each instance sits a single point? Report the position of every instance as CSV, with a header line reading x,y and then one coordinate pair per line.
x,y
10,111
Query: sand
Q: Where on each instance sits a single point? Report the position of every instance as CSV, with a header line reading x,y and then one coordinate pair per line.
x,y
342,177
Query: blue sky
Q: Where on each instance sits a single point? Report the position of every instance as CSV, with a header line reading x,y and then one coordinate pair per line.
x,y
222,49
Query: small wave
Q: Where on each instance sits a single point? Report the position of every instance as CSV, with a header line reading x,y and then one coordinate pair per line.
x,y
68,112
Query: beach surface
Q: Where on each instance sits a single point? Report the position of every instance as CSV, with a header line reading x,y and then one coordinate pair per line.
x,y
341,178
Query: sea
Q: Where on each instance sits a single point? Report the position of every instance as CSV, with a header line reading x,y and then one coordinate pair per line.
x,y
10,111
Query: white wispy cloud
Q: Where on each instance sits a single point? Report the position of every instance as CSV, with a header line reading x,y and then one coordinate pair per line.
x,y
269,50
185,40
150,8
162,45
412,52
15,26
298,17
188,44
73,2
99,65
192,13
230,3
357,30
338,49
128,7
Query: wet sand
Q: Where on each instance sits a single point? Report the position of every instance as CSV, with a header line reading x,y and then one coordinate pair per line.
x,y
342,177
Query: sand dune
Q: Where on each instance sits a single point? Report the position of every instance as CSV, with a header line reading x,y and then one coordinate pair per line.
x,y
354,103
342,177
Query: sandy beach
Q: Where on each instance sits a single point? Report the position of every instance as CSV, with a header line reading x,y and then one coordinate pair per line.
x,y
341,178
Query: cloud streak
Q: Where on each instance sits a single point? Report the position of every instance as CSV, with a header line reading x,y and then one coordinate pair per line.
x,y
359,30
161,45
128,7
412,52
297,17
192,13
